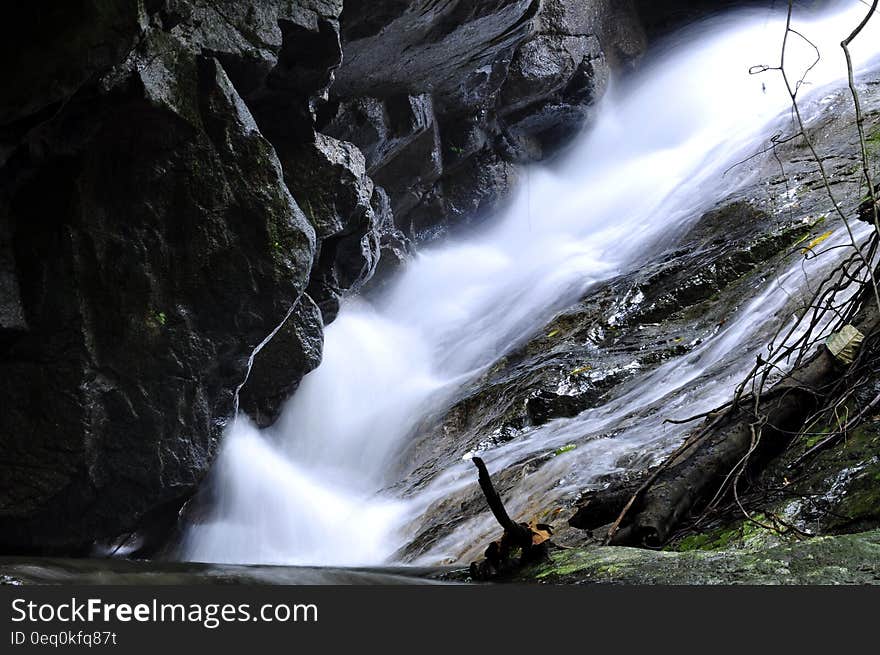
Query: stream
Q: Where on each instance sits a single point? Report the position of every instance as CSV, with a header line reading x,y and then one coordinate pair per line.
x,y
326,485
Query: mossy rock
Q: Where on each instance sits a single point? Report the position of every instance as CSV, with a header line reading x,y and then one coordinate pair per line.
x,y
744,534
839,490
844,559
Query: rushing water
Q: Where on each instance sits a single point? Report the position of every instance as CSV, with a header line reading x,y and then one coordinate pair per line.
x,y
309,490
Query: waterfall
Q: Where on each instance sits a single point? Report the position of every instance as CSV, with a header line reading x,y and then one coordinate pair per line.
x,y
318,487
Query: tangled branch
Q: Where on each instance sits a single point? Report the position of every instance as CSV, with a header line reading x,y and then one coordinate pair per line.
x,y
833,303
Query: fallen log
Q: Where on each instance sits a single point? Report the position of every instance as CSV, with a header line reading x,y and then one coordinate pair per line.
x,y
599,508
701,467
698,471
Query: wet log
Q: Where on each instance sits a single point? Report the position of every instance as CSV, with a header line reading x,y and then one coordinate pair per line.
x,y
599,508
699,470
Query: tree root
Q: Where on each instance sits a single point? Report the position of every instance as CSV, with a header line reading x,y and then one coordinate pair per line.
x,y
521,543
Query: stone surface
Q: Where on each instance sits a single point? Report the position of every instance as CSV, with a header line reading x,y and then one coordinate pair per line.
x,y
476,88
295,348
847,559
111,393
148,243
329,178
395,248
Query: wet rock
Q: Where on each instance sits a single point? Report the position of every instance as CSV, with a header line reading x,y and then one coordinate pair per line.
x,y
412,172
479,187
285,101
66,45
296,347
626,327
454,50
329,179
149,240
835,492
616,24
542,66
545,405
148,243
541,123
327,176
395,249
681,294
463,137
381,128
507,82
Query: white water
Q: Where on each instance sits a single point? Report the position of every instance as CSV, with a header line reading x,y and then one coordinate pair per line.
x,y
309,490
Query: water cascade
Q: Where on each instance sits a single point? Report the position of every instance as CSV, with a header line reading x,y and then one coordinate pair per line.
x,y
318,487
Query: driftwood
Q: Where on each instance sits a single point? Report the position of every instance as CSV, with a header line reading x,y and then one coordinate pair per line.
x,y
520,544
701,467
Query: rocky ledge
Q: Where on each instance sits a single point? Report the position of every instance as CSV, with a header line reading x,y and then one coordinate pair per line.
x,y
811,524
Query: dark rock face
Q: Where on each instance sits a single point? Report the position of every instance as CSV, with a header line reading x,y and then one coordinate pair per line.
x,y
296,348
445,99
395,248
64,45
329,177
148,243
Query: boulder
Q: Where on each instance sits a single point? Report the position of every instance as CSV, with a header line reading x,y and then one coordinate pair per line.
x,y
297,347
329,177
381,128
